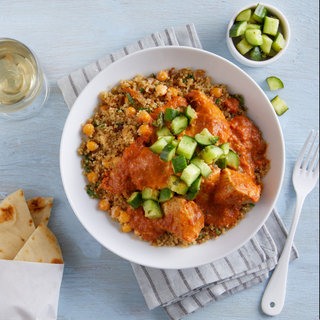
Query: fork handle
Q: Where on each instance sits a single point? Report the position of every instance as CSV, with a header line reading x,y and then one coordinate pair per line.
x,y
274,295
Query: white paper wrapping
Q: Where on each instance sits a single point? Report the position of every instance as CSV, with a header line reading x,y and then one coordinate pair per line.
x,y
29,291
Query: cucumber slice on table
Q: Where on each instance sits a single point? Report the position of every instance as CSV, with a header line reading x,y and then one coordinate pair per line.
x,y
179,163
259,13
270,26
179,124
238,29
255,54
165,194
205,170
170,114
168,152
164,131
158,145
190,114
190,174
210,154
152,209
177,185
205,138
243,46
244,15
274,83
187,147
194,189
135,200
278,43
279,105
254,37
267,44
149,193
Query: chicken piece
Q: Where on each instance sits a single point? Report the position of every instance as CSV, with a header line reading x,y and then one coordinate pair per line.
x,y
143,225
236,188
139,167
221,215
208,116
181,217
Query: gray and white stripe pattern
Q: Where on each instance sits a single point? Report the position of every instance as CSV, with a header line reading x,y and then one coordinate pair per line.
x,y
181,292
74,83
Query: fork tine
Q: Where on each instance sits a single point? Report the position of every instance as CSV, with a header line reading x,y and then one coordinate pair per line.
x,y
316,169
305,164
304,148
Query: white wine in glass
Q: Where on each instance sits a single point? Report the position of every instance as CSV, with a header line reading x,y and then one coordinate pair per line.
x,y
23,86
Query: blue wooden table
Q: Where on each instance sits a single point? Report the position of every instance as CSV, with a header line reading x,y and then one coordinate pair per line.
x,y
67,35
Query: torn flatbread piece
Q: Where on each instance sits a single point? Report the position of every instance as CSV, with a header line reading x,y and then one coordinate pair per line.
x,y
42,246
16,225
40,210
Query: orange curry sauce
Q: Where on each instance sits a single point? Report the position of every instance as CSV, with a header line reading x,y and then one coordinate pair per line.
x,y
221,194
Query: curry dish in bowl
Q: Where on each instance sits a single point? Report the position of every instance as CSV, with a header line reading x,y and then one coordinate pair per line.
x,y
173,158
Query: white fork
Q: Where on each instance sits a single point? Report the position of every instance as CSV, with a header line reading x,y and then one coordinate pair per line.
x,y
304,179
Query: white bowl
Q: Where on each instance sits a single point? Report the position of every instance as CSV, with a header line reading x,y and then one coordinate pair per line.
x,y
284,27
100,225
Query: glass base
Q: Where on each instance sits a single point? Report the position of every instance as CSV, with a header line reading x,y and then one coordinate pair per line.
x,y
34,107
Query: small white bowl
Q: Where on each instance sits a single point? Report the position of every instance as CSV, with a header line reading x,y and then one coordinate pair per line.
x,y
284,26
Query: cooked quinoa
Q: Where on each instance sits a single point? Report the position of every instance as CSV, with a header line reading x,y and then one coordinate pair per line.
x,y
118,121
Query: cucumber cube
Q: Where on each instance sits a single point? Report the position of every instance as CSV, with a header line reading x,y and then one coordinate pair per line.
x,y
187,147
177,185
232,160
164,131
179,124
190,174
244,15
238,29
179,163
170,114
270,26
279,105
165,194
267,44
205,170
205,138
190,114
149,193
225,147
158,145
135,200
255,54
278,43
210,154
222,162
254,26
253,37
243,46
152,209
194,189
168,152
259,13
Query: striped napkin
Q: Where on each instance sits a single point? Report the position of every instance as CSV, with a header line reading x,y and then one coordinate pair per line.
x,y
181,292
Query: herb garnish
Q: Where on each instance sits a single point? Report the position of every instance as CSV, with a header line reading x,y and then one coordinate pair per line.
x,y
90,192
86,164
147,109
152,75
218,231
217,100
130,98
102,125
252,205
184,80
190,76
142,90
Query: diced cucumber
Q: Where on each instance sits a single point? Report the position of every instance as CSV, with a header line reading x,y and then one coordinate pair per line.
x,y
238,29
270,26
259,13
267,44
243,46
272,53
253,37
177,185
170,114
232,160
179,124
194,189
278,43
255,54
205,170
244,15
205,138
175,142
135,200
279,105
186,147
169,139
160,120
225,147
165,194
168,152
158,145
149,193
190,114
222,162
179,163
164,131
190,174
210,154
254,26
152,209
274,83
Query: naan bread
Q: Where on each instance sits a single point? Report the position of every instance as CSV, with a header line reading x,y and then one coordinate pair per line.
x,y
16,225
40,209
42,246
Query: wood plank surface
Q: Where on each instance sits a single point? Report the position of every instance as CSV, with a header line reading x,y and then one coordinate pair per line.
x,y
67,35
